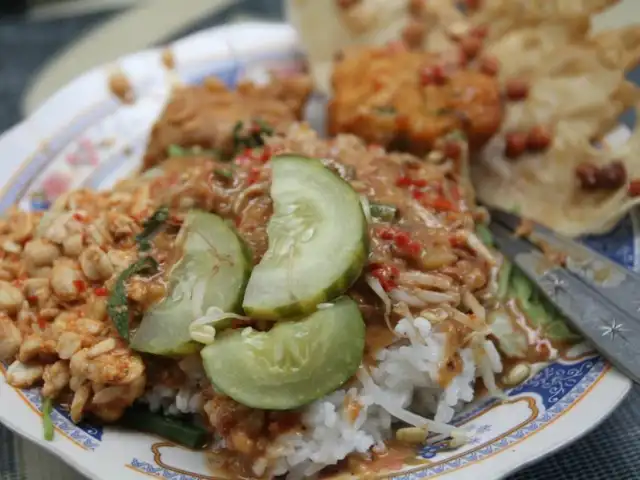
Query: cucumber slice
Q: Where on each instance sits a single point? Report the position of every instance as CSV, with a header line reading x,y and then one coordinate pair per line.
x,y
212,272
291,365
317,241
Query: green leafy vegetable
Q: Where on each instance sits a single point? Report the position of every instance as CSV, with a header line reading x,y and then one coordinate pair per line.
x,y
251,138
484,234
226,174
503,279
178,151
151,226
383,212
559,331
444,111
187,434
118,304
47,423
514,284
386,110
458,135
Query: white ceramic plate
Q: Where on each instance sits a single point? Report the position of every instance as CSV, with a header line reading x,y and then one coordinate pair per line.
x,y
83,136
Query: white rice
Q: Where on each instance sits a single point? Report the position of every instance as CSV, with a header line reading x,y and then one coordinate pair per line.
x,y
404,381
403,386
184,400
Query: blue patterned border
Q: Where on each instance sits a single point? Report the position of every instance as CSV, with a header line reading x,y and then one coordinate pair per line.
x,y
618,245
88,436
160,472
590,369
558,387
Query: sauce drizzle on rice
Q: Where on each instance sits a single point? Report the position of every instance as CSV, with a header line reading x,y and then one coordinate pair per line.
x,y
429,292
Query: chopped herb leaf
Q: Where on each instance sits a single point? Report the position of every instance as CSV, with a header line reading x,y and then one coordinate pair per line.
x,y
183,433
383,212
118,303
47,423
177,151
250,137
386,110
484,234
458,135
151,226
444,111
227,174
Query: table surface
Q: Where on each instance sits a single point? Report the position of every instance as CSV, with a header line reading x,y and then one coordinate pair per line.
x,y
611,451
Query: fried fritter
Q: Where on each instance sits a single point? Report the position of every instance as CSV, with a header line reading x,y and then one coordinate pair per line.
x,y
205,116
406,100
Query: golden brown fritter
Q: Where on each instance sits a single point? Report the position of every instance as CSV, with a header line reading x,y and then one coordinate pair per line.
x,y
406,100
206,115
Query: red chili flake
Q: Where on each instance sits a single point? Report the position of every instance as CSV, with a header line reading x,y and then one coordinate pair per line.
x,y
456,242
79,217
176,220
80,285
414,249
386,233
393,270
101,291
32,298
385,275
255,128
387,285
253,176
42,322
266,154
452,149
440,76
404,181
417,194
426,76
538,138
634,188
489,65
402,239
516,144
516,89
443,204
420,183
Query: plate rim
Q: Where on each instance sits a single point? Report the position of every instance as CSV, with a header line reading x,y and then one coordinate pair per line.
x,y
19,135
